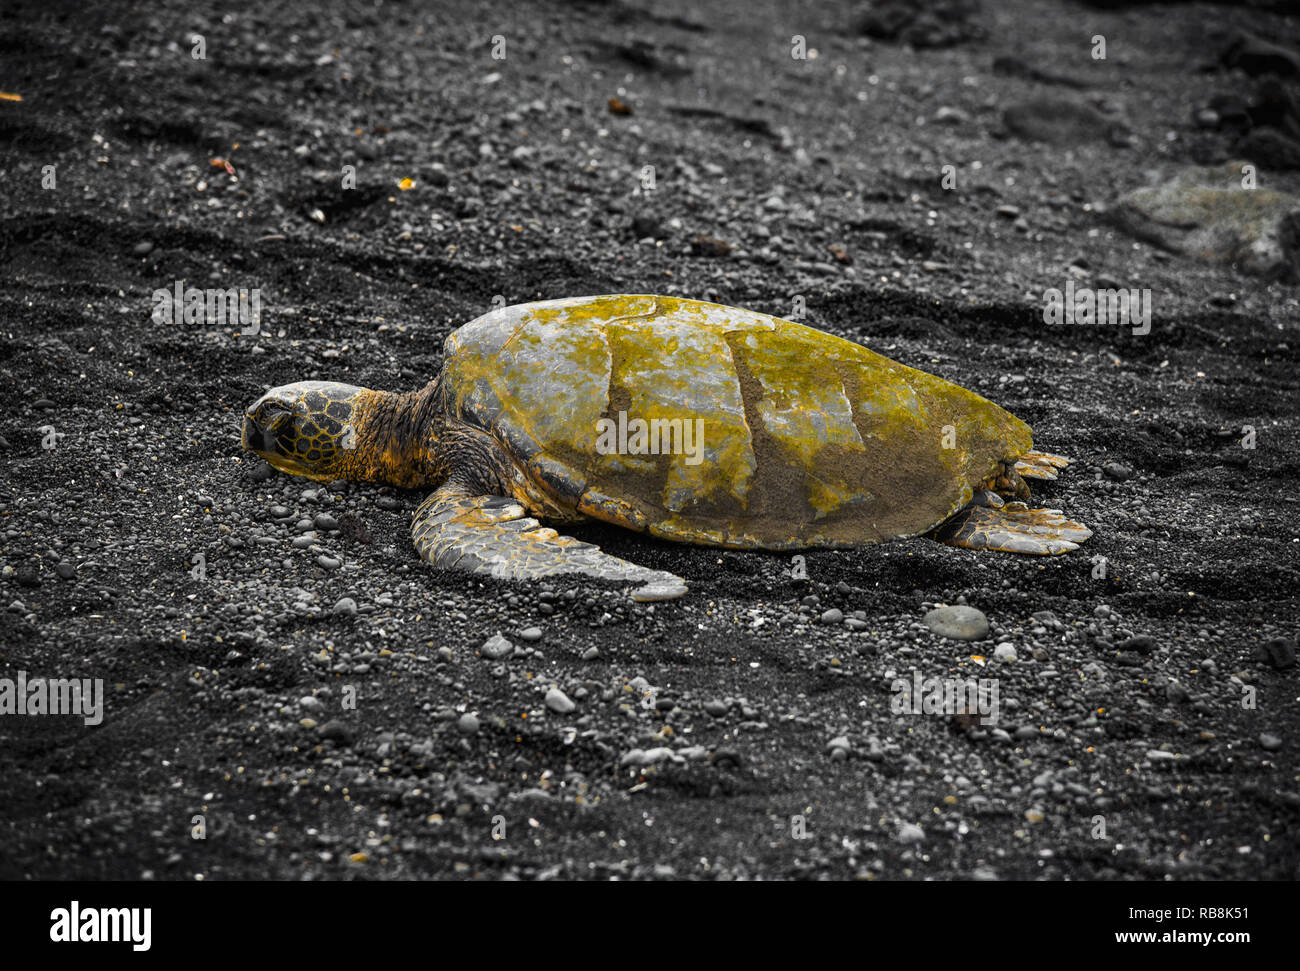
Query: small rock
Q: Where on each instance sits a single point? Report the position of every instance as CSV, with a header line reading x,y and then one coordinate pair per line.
x,y
467,724
346,607
559,702
839,742
337,732
961,623
590,654
715,708
324,520
1004,652
1270,743
910,833
143,248
1116,471
328,562
531,634
832,616
1140,644
1279,653
647,227
66,570
496,647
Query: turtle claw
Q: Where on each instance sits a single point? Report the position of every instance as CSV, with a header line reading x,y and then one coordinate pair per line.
x,y
1040,465
1015,528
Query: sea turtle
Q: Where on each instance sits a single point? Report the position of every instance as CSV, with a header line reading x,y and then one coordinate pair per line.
x,y
688,420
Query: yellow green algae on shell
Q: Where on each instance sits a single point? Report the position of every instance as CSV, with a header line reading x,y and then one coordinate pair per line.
x,y
803,438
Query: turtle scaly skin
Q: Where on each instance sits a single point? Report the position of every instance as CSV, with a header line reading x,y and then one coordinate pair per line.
x,y
691,421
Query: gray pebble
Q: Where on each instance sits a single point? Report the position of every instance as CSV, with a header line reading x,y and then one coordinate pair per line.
x,y
496,647
338,732
1270,743
346,607
962,623
531,634
833,616
910,833
467,724
324,520
328,562
558,701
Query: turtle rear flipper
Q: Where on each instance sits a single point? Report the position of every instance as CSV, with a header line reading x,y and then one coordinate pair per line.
x,y
455,529
1040,465
1013,528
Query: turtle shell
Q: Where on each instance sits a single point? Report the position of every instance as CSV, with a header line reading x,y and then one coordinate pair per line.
x,y
784,436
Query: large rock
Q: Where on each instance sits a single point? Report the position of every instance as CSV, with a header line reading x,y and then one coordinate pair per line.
x,y
1063,121
1206,214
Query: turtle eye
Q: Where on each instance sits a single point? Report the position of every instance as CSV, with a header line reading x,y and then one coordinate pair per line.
x,y
273,419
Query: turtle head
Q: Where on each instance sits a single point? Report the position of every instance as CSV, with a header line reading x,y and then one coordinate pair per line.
x,y
326,431
306,428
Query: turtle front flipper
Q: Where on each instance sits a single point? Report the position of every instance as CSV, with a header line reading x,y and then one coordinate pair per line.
x,y
456,529
1012,528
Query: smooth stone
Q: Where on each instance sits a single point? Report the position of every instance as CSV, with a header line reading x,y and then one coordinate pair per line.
x,y
496,647
1004,652
467,724
531,634
558,701
659,590
961,623
346,607
910,833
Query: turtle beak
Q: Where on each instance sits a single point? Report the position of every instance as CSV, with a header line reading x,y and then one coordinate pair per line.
x,y
253,437
258,437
